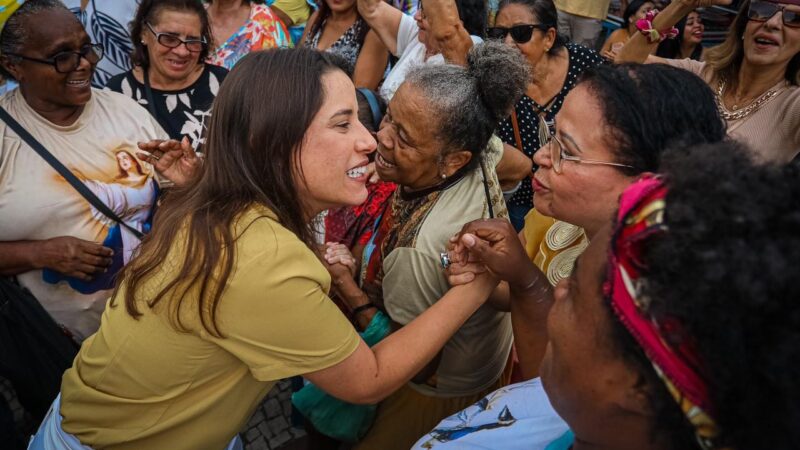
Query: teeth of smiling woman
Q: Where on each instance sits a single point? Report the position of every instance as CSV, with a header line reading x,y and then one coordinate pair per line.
x,y
384,162
357,172
77,82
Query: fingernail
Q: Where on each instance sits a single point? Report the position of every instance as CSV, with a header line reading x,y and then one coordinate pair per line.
x,y
469,240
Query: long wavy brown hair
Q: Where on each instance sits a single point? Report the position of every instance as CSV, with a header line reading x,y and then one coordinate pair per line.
x,y
252,149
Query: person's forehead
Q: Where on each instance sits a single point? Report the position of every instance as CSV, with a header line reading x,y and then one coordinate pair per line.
x,y
62,31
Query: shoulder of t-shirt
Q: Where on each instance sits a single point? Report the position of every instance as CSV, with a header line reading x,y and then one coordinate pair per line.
x,y
792,112
126,108
407,33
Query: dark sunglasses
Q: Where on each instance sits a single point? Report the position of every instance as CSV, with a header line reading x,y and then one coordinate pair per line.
x,y
171,41
66,62
761,11
519,33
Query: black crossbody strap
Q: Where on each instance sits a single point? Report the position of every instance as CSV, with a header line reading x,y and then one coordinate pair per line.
x,y
486,191
66,173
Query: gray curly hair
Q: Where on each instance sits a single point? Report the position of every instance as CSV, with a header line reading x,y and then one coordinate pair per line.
x,y
470,101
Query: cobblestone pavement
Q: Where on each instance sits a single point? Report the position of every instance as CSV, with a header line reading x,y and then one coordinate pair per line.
x,y
268,429
270,426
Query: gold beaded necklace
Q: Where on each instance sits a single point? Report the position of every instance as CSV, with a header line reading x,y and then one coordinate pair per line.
x,y
741,113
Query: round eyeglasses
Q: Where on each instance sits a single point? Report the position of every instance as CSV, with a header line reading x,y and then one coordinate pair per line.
x,y
68,61
558,155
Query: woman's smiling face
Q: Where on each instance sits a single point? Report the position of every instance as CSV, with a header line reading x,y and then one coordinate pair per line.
x,y
409,153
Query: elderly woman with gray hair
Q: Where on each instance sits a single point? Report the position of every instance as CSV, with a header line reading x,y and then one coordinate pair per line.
x,y
436,143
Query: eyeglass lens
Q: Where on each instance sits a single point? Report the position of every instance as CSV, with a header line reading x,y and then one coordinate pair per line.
x,y
520,33
170,41
555,153
761,11
69,61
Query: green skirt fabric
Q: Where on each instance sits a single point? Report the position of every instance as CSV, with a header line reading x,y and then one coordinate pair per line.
x,y
336,418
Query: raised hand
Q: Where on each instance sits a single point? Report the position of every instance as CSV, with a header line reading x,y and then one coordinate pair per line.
x,y
174,160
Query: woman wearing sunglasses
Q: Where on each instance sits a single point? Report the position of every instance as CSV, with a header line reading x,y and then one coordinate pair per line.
x,y
755,73
171,40
531,27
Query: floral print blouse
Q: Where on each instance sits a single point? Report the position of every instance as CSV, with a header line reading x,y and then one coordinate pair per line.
x,y
263,30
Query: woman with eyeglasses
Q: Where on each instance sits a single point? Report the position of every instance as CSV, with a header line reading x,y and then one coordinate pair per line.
x,y
171,41
755,72
598,148
51,241
531,26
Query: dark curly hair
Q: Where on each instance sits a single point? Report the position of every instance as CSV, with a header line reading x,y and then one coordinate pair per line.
x,y
650,108
148,12
727,269
474,14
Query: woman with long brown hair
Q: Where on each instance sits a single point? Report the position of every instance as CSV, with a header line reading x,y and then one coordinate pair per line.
x,y
755,72
226,295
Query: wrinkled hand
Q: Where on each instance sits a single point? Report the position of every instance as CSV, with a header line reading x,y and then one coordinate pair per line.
x,y
73,257
464,267
495,244
174,160
372,173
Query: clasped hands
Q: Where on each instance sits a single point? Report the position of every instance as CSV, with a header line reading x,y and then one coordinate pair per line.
x,y
490,247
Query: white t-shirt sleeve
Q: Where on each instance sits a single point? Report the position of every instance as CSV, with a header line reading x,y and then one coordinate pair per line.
x,y
407,33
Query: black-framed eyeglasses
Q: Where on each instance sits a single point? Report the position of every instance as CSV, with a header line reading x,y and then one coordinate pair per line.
x,y
169,40
519,33
761,11
558,155
68,61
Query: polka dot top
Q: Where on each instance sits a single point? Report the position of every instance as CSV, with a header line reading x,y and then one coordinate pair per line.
x,y
580,60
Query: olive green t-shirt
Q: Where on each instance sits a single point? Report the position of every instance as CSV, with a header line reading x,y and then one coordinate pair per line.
x,y
141,384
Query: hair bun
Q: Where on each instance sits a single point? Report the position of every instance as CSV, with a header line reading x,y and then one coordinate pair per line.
x,y
501,73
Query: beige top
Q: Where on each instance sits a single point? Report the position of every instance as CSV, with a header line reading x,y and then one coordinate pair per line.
x,y
473,359
772,131
141,384
36,203
595,9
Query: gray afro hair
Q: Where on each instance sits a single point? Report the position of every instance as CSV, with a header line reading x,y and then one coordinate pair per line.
x,y
469,101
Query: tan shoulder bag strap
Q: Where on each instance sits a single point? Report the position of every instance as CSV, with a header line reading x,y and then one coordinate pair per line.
x,y
515,125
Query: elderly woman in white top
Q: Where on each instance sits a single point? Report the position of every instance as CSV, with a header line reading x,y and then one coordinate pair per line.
x,y
417,40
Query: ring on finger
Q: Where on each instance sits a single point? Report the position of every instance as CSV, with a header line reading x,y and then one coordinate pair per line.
x,y
444,258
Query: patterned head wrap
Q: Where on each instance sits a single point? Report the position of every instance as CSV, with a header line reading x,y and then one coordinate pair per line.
x,y
664,340
7,8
